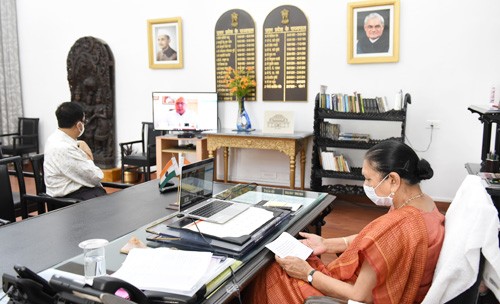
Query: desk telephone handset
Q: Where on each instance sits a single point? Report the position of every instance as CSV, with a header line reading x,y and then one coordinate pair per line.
x,y
29,287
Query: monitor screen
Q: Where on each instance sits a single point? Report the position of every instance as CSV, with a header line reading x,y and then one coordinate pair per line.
x,y
183,111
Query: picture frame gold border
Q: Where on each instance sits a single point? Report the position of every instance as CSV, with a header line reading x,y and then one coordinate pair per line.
x,y
352,6
179,63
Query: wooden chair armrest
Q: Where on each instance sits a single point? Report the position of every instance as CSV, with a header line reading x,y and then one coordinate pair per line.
x,y
8,134
130,143
45,198
115,185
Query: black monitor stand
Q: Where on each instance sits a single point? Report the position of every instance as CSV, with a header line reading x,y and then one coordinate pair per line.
x,y
186,135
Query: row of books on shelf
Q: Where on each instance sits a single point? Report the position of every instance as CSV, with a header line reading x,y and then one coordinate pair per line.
x,y
353,103
331,161
354,136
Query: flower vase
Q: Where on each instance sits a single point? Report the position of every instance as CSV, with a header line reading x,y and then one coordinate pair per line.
x,y
243,120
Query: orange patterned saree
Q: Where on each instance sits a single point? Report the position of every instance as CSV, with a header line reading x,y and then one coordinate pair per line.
x,y
395,245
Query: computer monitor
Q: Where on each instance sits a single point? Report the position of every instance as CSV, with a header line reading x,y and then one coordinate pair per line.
x,y
185,111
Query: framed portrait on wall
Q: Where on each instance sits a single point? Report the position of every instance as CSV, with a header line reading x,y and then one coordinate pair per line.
x,y
373,31
165,43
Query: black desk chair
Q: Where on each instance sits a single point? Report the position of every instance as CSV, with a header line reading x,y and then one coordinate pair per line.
x,y
146,157
53,203
25,140
41,196
12,204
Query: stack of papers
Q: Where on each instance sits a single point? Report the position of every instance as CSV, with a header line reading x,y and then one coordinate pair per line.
x,y
243,224
168,270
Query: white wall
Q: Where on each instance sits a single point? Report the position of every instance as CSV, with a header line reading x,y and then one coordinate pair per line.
x,y
448,61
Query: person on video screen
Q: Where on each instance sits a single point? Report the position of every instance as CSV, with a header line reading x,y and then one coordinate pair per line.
x,y
181,116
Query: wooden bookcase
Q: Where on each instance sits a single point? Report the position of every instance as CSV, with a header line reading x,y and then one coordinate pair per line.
x,y
320,142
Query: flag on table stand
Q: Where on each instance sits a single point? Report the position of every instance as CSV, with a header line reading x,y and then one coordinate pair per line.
x,y
170,171
182,160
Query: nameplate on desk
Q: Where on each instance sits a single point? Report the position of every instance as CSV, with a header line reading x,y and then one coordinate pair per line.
x,y
278,122
279,191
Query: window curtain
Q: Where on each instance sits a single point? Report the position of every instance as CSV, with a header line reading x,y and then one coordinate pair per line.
x,y
11,106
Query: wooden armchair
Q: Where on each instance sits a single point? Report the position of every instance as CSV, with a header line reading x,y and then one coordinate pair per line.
x,y
12,204
25,140
52,203
144,158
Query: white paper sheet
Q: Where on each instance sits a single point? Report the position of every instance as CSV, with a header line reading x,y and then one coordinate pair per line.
x,y
286,245
164,269
242,224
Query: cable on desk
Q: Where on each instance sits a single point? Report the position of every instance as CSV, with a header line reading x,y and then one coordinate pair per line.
x,y
202,236
237,287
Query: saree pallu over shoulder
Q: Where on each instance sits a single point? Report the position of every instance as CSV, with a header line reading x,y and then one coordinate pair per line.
x,y
395,245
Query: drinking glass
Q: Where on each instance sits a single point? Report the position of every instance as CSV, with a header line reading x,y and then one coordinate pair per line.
x,y
94,261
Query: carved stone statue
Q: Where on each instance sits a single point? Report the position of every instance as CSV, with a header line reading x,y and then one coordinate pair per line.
x,y
90,67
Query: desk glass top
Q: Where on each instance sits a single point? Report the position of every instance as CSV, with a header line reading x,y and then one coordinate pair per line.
x,y
258,133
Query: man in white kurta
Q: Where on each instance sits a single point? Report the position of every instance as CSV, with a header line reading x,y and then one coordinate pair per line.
x,y
182,117
69,168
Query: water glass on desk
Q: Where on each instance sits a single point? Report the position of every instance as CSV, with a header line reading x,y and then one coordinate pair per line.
x,y
94,260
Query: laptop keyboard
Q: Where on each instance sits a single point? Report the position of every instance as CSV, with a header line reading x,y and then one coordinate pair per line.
x,y
210,209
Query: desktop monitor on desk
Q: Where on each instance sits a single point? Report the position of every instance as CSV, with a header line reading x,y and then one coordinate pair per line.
x,y
185,112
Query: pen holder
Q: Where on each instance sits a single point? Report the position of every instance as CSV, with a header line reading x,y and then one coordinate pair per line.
x,y
491,165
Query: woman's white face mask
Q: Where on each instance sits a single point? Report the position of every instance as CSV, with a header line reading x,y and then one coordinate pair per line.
x,y
83,128
379,201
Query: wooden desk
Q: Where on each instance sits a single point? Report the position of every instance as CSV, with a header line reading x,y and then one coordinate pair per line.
x,y
290,144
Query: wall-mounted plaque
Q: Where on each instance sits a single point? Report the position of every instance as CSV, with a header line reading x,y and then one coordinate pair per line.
x,y
285,55
234,47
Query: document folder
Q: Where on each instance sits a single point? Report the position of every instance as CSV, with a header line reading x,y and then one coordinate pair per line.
x,y
191,240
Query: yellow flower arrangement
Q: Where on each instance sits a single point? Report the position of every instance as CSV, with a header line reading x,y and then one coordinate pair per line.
x,y
239,82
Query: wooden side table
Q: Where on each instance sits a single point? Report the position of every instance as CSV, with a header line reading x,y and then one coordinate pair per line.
x,y
168,146
290,144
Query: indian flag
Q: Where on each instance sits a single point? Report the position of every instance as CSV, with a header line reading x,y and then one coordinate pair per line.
x,y
183,160
170,171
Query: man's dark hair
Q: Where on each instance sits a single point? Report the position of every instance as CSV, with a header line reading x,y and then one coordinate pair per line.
x,y
68,114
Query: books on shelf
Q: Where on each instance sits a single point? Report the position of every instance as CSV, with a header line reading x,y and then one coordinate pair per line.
x,y
329,130
354,136
331,161
354,103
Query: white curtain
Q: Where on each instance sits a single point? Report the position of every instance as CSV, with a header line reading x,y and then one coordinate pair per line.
x,y
11,106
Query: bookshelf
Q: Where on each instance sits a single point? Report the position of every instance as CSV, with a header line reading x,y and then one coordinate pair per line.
x,y
323,141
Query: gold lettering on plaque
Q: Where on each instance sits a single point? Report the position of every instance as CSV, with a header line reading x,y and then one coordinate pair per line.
x,y
234,19
284,16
